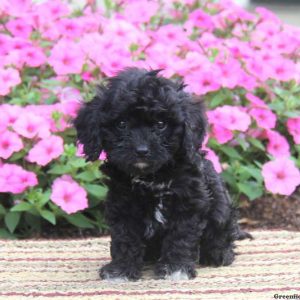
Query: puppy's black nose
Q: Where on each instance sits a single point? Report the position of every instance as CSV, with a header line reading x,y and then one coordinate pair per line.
x,y
142,150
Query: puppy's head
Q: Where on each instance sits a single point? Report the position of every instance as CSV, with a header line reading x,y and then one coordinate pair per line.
x,y
142,121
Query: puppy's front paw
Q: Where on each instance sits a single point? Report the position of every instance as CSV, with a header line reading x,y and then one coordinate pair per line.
x,y
175,271
118,272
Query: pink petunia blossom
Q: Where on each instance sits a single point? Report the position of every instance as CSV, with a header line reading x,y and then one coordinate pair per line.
x,y
281,176
10,113
30,125
46,150
79,152
278,146
9,78
68,194
10,142
201,19
293,126
283,69
203,82
69,28
87,76
33,56
14,179
19,27
66,58
230,73
230,117
255,101
221,134
140,11
264,118
71,100
211,155
5,44
4,120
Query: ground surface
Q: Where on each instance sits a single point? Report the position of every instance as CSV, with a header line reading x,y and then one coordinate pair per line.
x,y
68,269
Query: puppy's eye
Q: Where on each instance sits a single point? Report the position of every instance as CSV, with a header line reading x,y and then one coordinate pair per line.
x,y
161,125
122,125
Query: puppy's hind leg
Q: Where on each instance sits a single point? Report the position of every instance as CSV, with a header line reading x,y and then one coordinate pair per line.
x,y
217,245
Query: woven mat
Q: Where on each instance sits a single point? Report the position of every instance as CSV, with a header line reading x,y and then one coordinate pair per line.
x,y
61,269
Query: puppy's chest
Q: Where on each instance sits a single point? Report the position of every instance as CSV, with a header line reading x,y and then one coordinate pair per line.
x,y
156,198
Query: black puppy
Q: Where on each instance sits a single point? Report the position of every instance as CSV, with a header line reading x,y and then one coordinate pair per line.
x,y
165,202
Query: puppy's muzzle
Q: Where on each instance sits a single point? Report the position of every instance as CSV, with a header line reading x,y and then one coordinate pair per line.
x,y
142,150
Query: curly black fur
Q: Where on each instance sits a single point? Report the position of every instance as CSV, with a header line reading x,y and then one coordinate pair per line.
x,y
165,202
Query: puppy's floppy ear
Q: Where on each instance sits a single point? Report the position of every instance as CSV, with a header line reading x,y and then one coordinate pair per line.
x,y
195,126
88,126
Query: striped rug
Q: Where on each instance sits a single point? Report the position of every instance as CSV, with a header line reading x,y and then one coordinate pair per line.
x,y
61,269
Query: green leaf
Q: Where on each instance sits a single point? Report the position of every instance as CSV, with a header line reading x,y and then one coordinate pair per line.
x,y
12,220
79,220
98,191
256,143
60,169
88,176
49,216
44,198
17,155
133,47
2,210
242,143
229,177
231,152
251,190
4,234
254,172
78,163
23,206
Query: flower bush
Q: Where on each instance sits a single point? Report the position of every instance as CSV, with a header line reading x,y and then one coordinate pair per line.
x,y
246,66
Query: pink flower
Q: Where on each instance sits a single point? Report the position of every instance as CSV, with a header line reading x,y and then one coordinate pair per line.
x,y
14,179
10,142
5,44
281,176
202,20
278,145
46,150
52,10
103,155
87,76
293,126
9,78
68,194
66,58
230,117
230,73
3,120
30,125
264,118
33,56
71,100
140,11
203,82
69,28
283,69
221,134
10,113
255,101
211,155
79,152
19,27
